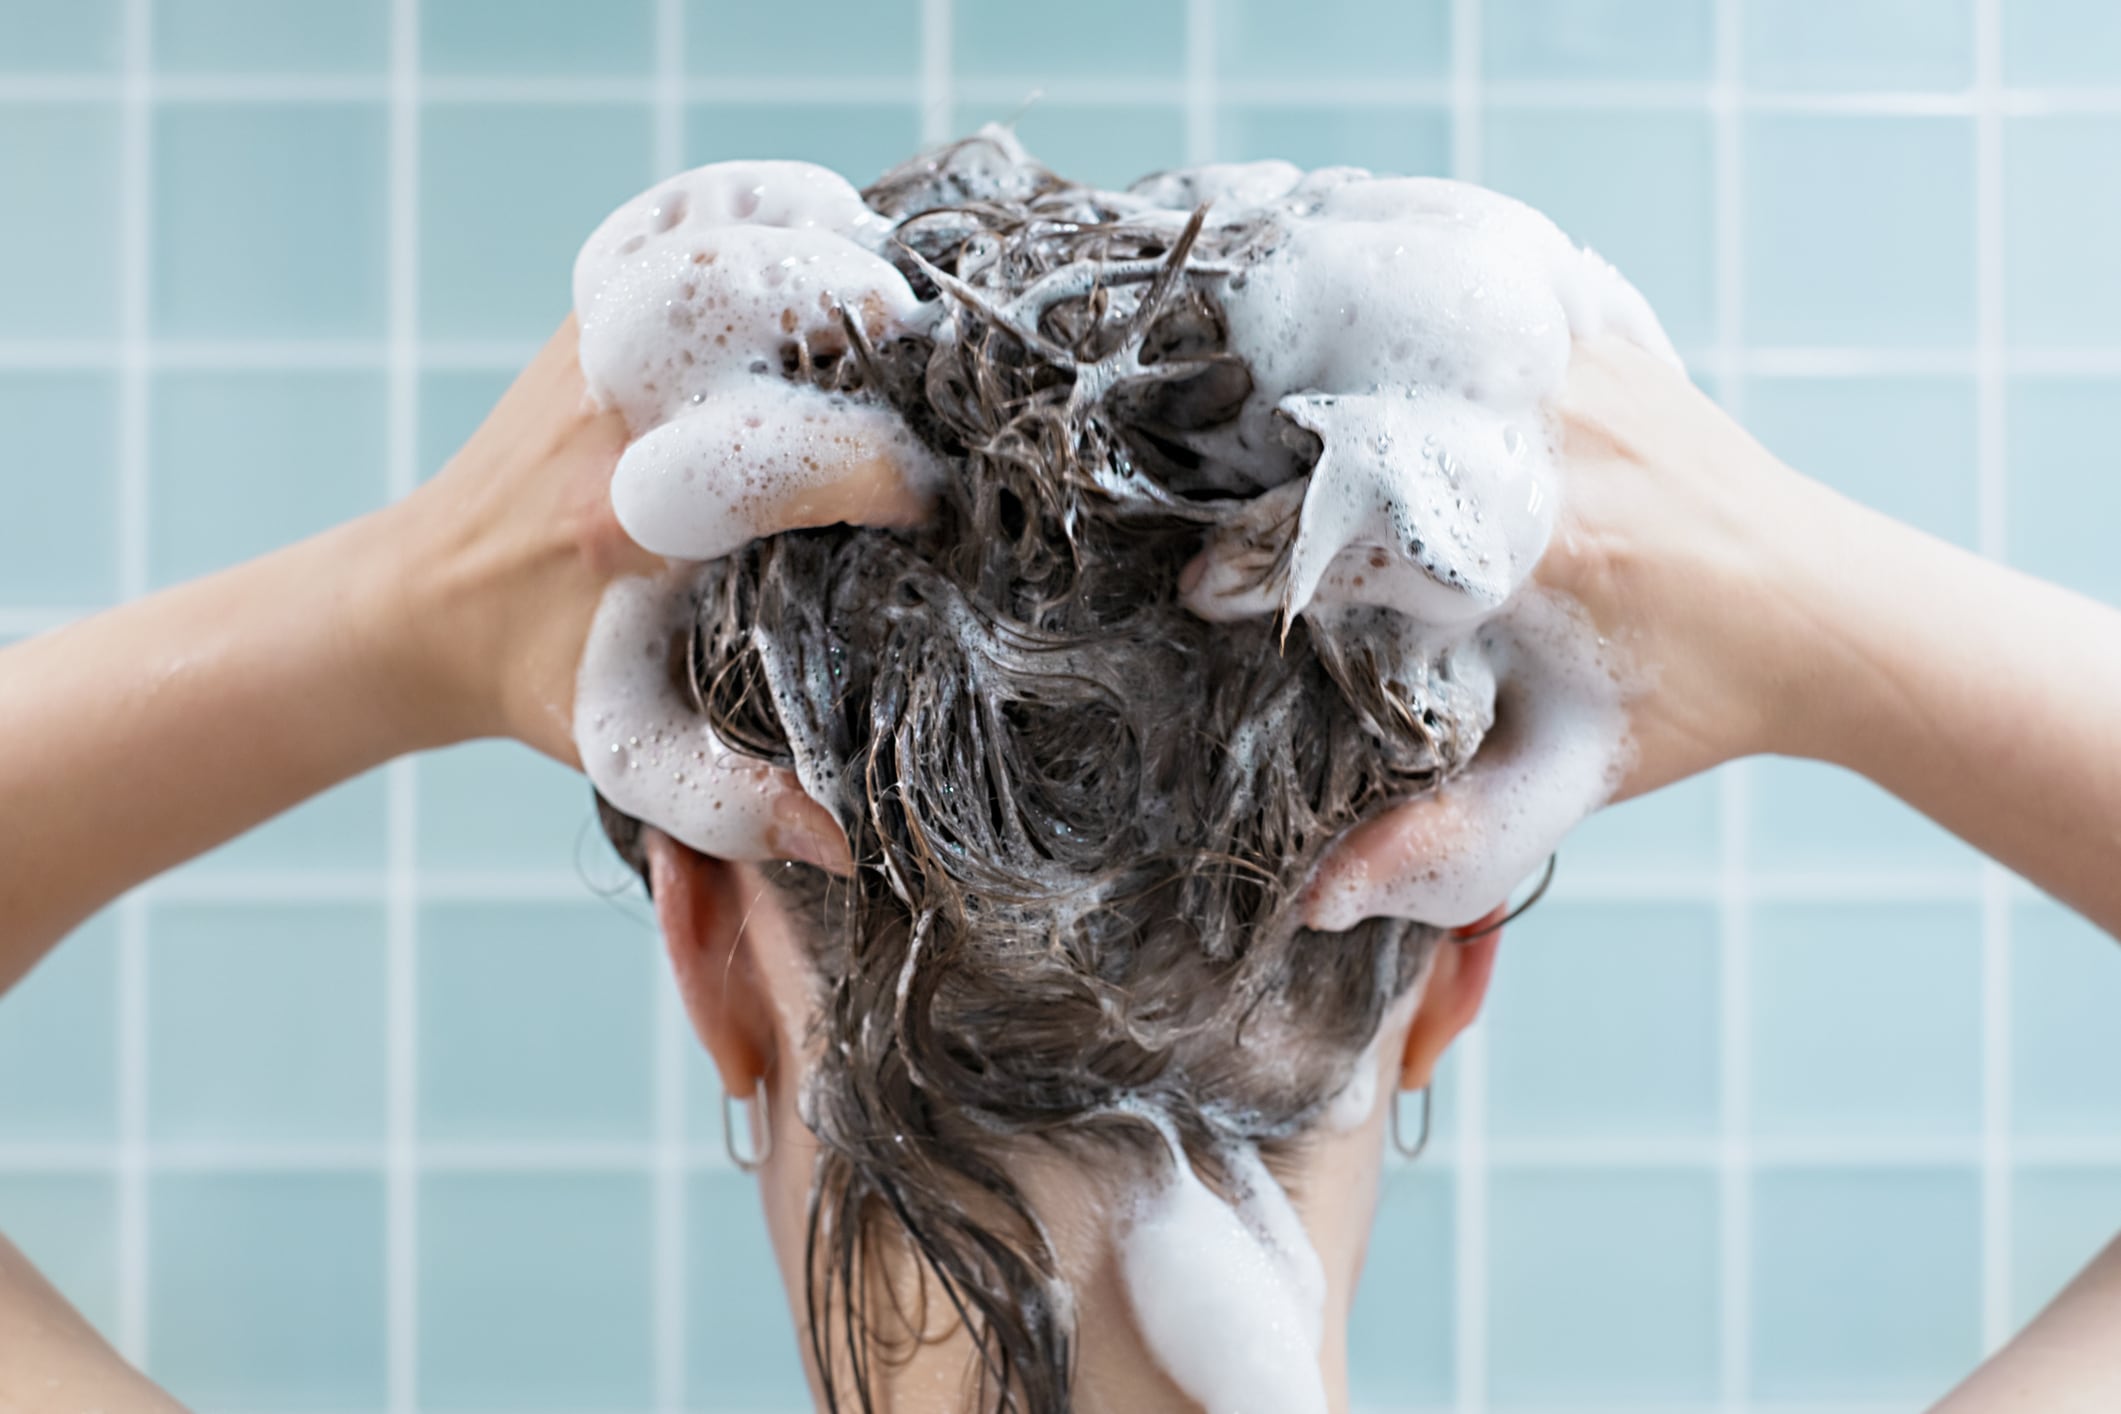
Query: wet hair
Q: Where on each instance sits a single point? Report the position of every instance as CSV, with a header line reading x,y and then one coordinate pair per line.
x,y
1082,816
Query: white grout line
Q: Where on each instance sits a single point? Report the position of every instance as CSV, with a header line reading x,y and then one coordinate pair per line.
x,y
1470,1137
136,244
938,122
1991,469
1200,81
401,936
1734,1002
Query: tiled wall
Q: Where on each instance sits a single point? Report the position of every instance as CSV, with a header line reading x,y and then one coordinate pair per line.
x,y
1785,1100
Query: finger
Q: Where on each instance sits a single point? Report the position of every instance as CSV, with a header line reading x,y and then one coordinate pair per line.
x,y
653,756
759,460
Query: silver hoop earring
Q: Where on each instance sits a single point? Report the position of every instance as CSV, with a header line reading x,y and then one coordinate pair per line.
x,y
1421,1140
758,1122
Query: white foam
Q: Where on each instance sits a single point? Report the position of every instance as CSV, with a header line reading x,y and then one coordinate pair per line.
x,y
1229,1298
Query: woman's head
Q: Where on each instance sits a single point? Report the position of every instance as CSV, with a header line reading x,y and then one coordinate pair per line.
x,y
1081,816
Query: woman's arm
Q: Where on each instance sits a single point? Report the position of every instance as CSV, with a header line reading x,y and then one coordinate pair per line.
x,y
55,1363
2067,1361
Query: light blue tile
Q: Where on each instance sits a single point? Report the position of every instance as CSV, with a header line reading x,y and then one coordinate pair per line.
x,y
2065,482
71,37
499,806
534,1292
1641,1059
1334,40
508,193
1867,45
1103,144
1635,187
1004,40
269,220
2066,1047
1678,829
245,462
535,1022
265,1023
1859,230
58,271
271,37
265,1291
1597,39
1904,445
861,141
1811,818
1867,1020
2060,1219
1603,1286
2061,42
537,36
2061,220
1867,1283
341,832
67,1225
453,403
740,1338
853,39
1398,138
1402,1334
59,1044
57,537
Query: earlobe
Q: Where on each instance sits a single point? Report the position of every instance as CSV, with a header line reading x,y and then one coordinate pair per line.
x,y
1451,998
701,915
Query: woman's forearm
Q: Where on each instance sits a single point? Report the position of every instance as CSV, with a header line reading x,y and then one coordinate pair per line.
x,y
1988,700
2067,1361
136,739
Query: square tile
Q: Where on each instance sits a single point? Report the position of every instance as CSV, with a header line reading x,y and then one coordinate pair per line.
x,y
869,39
1863,45
508,193
59,256
2061,220
1634,987
1678,830
1864,436
1811,818
271,37
1106,145
1866,1020
2065,1046
76,37
59,1044
1597,39
1859,230
1402,1333
537,37
1411,140
1635,187
246,462
740,1338
860,141
1867,1283
265,1291
1336,40
58,539
1003,40
67,1225
265,1023
2065,497
536,1022
2061,42
339,833
2060,1219
534,1292
270,221
498,806
453,402
1603,1286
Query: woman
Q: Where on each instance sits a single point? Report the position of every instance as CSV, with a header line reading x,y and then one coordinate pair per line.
x,y
945,1140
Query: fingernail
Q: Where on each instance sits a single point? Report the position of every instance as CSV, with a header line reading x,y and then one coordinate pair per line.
x,y
1191,574
806,832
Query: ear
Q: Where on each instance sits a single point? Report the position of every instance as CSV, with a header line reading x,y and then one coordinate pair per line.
x,y
699,902
1451,997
